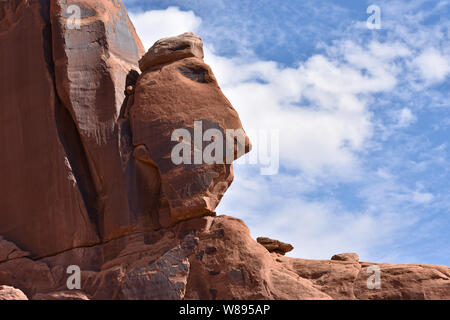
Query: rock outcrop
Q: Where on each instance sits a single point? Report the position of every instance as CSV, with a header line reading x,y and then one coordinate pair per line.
x,y
214,258
346,257
92,138
37,185
275,245
10,293
177,92
187,45
115,160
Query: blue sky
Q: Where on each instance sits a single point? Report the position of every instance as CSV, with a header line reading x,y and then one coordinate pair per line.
x,y
363,117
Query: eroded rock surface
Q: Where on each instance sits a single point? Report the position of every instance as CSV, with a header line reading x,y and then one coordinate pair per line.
x,y
61,295
171,49
37,186
275,245
214,258
88,138
92,61
10,293
88,176
181,92
345,257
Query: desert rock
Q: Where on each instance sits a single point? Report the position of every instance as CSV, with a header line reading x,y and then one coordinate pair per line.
x,y
9,251
346,257
61,295
171,49
183,94
214,258
10,293
88,176
275,245
92,62
37,189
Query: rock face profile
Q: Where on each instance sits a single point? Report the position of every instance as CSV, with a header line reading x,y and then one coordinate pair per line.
x,y
178,91
115,160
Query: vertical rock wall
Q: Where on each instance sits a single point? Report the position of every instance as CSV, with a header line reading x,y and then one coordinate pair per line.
x,y
41,207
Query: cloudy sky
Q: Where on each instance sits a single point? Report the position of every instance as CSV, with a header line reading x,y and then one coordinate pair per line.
x,y
363,117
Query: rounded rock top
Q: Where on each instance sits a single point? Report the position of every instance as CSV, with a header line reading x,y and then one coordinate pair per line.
x,y
171,49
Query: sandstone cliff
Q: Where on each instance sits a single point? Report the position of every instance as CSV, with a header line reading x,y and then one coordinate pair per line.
x,y
87,121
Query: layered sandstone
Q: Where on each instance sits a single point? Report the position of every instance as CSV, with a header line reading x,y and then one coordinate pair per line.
x,y
214,258
176,93
37,189
88,176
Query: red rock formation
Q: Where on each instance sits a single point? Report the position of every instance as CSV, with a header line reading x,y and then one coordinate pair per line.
x,y
187,45
87,177
275,245
91,67
176,89
37,186
214,258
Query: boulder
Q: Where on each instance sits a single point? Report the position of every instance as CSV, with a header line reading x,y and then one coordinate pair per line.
x,y
10,293
345,257
275,245
171,49
9,251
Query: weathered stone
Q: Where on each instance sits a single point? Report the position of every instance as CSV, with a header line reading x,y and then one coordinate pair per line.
x,y
166,265
61,295
10,293
275,245
180,95
346,257
41,209
164,279
92,63
9,251
67,148
88,180
171,49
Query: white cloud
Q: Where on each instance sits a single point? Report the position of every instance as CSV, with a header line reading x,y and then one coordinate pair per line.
x,y
320,107
276,207
433,65
405,118
420,197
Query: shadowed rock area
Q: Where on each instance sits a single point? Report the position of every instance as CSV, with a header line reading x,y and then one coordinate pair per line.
x,y
88,176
